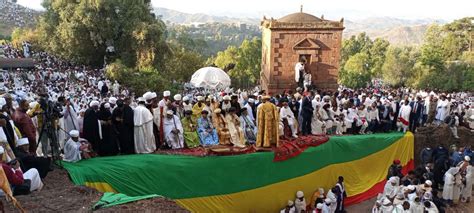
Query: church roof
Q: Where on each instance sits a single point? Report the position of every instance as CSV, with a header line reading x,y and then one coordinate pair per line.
x,y
299,18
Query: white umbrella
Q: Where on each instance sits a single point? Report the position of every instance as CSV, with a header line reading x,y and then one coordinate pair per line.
x,y
210,78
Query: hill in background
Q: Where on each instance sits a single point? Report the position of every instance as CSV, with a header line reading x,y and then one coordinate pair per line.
x,y
396,31
13,15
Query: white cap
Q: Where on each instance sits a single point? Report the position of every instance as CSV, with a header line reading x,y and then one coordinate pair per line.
x,y
411,187
169,112
200,98
22,141
299,194
153,95
177,97
428,182
327,200
251,100
107,105
94,103
141,99
467,158
290,203
185,98
147,95
166,93
112,100
3,102
226,98
74,133
2,150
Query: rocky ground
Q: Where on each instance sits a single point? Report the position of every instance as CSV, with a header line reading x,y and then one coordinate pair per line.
x,y
61,195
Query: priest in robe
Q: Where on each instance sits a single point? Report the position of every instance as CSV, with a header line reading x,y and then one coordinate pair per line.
x,y
191,137
206,131
92,128
268,121
28,160
173,130
248,126
287,117
235,130
76,149
143,131
122,118
222,128
109,143
198,107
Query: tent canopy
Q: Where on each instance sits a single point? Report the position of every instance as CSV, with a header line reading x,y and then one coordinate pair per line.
x,y
210,78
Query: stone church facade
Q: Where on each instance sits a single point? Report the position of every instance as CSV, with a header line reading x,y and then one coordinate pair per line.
x,y
295,36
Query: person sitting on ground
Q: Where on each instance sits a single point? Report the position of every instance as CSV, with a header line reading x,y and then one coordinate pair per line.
x,y
206,131
247,124
29,161
300,202
173,130
22,183
191,137
76,148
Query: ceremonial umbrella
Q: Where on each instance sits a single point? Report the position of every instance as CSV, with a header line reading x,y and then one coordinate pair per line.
x,y
210,78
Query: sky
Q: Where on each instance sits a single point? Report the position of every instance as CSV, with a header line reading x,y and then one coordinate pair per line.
x,y
335,9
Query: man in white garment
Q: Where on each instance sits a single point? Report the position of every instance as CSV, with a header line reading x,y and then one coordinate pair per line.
x,y
249,104
466,193
449,184
332,198
286,113
300,202
404,116
187,106
165,100
441,110
143,131
70,113
173,131
75,149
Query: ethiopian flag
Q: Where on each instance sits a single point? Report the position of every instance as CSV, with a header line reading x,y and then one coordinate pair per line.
x,y
251,182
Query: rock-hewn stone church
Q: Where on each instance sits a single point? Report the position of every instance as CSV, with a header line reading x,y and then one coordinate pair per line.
x,y
300,35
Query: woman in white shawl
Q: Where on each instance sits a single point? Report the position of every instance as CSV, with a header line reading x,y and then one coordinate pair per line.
x,y
449,181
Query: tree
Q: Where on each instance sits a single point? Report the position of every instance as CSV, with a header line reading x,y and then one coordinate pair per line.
x,y
81,31
398,65
247,60
356,72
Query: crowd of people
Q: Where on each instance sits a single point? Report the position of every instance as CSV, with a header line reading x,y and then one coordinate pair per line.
x,y
444,178
92,116
15,14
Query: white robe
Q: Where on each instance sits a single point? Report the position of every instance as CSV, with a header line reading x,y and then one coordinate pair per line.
x,y
173,140
143,131
70,119
389,190
249,111
300,205
448,188
33,175
442,110
467,190
333,199
71,151
285,112
405,114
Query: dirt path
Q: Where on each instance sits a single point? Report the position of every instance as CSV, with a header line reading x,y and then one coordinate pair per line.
x,y
60,195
